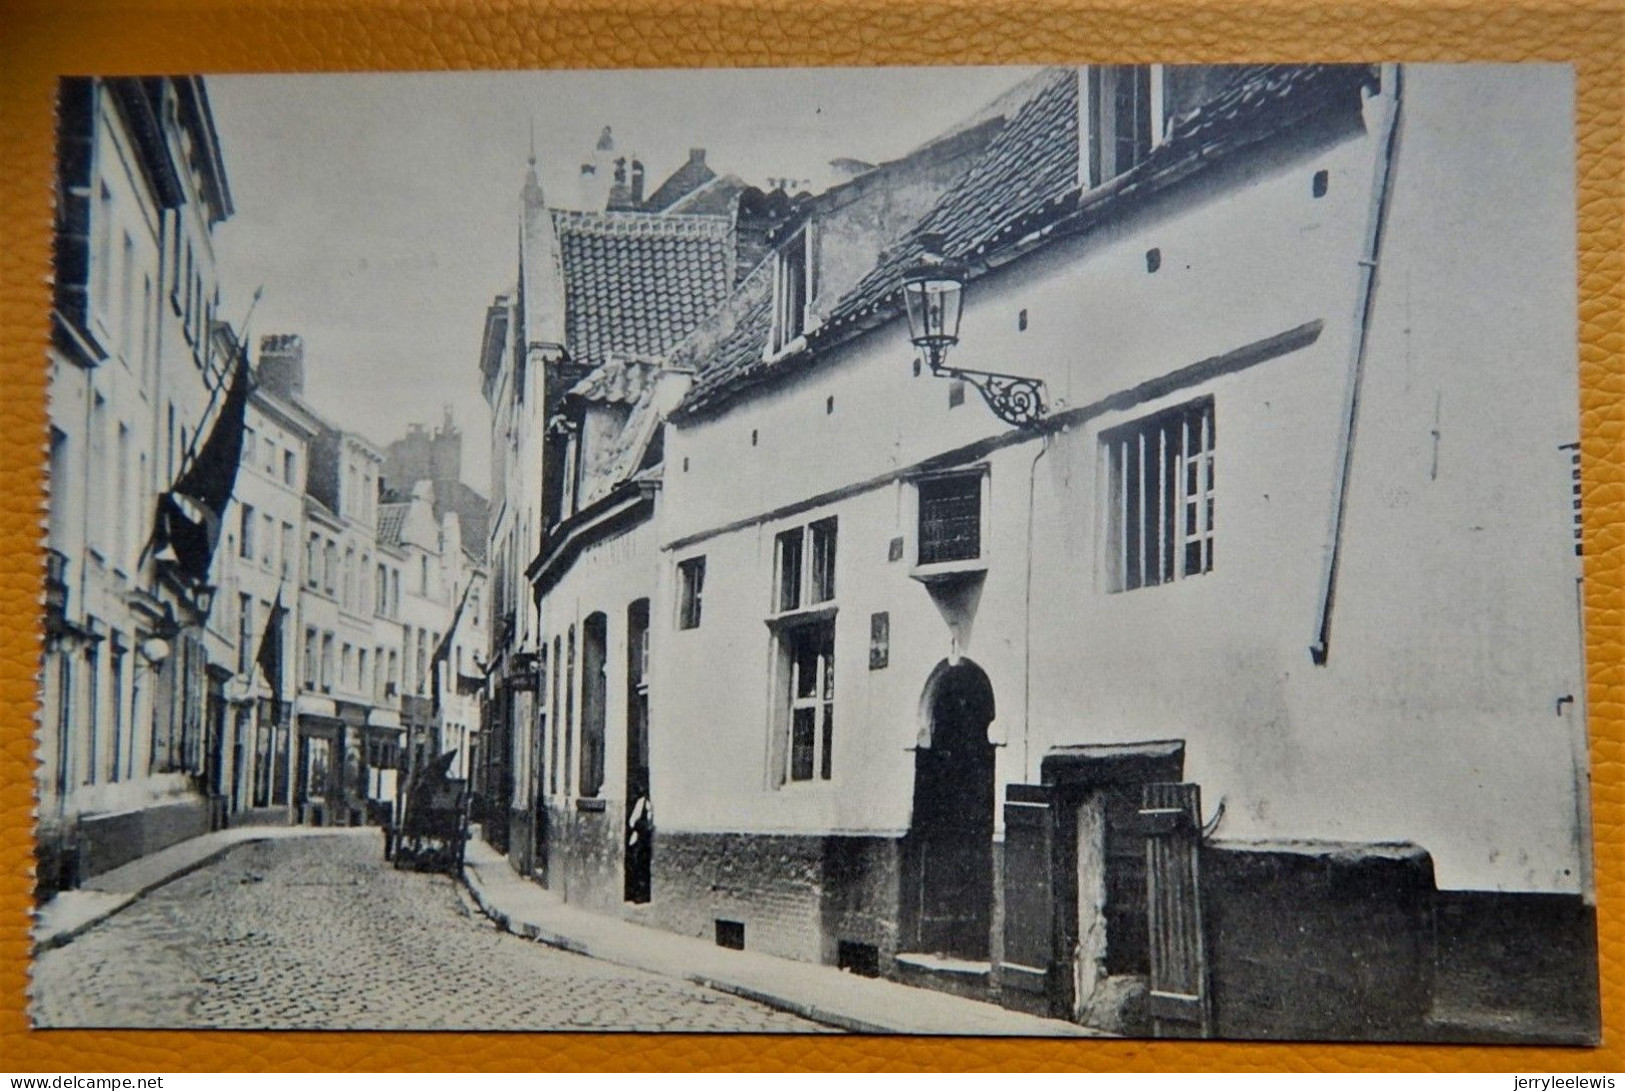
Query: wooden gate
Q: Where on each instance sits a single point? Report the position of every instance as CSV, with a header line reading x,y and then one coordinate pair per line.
x,y
1180,1004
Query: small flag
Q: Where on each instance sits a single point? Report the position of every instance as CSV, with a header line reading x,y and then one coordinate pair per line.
x,y
269,657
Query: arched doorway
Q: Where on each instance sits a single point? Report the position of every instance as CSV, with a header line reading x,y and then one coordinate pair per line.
x,y
951,832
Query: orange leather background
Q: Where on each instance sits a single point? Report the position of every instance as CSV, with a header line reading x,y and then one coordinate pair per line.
x,y
39,40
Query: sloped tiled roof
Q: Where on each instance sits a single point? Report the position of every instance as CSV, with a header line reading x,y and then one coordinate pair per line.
x,y
715,198
684,180
1026,181
1028,178
616,382
727,353
636,284
623,458
391,518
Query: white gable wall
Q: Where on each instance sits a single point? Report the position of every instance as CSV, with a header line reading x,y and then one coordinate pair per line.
x,y
1455,629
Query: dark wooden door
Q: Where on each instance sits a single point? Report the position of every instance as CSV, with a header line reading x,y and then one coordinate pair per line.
x,y
952,829
1029,892
1171,815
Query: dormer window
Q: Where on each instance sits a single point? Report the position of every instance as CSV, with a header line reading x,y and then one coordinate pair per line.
x,y
792,290
1123,117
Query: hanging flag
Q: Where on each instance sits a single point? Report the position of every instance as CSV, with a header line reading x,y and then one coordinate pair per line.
x,y
190,513
442,651
269,657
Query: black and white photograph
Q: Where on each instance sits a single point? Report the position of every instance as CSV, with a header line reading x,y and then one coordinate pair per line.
x,y
1080,551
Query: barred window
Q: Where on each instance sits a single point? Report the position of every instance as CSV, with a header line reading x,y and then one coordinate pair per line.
x,y
1160,497
950,518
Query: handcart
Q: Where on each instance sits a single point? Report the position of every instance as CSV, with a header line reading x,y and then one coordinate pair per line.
x,y
433,831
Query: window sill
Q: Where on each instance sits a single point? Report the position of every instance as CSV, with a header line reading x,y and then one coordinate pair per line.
x,y
950,571
790,348
811,784
790,619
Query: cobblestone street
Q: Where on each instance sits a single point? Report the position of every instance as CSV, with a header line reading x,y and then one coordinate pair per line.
x,y
320,933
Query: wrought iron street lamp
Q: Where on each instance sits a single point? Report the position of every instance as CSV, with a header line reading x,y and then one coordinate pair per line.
x,y
934,297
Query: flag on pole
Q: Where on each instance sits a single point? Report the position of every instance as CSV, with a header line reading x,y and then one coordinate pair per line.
x,y
190,513
269,657
442,650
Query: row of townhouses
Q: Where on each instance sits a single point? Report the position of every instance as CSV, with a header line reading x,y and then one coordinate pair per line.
x,y
1118,559
245,613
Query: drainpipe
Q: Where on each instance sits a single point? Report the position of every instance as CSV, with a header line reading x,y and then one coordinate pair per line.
x,y
1027,606
1383,173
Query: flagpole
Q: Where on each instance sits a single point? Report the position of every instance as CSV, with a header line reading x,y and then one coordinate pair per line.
x,y
242,355
188,455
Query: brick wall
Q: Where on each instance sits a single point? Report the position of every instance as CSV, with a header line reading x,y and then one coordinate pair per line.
x,y
109,841
798,897
584,854
769,883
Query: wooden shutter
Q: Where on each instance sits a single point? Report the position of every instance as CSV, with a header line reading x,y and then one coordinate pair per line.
x,y
1170,815
1029,890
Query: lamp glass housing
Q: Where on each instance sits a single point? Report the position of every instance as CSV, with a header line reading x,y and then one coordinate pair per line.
x,y
934,295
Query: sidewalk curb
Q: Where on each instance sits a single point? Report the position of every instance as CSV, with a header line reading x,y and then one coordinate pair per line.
x,y
68,935
773,999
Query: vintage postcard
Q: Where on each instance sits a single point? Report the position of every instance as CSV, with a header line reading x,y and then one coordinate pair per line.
x,y
1060,551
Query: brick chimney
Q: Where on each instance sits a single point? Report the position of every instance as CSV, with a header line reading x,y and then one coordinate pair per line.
x,y
620,196
282,364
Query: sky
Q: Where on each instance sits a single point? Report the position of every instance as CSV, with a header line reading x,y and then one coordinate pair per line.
x,y
380,211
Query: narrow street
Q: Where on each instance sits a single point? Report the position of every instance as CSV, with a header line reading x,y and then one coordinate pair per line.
x,y
319,933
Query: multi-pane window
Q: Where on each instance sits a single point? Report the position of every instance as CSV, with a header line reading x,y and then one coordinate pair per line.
x,y
1120,119
691,591
809,652
1160,491
804,566
287,549
288,468
268,537
327,662
792,289
245,537
787,562
950,518
245,634
311,671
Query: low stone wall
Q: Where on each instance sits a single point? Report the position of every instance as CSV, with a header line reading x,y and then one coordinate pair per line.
x,y
1520,966
1319,940
112,840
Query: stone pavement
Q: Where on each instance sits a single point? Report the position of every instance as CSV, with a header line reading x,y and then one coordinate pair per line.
x,y
821,993
319,933
73,911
